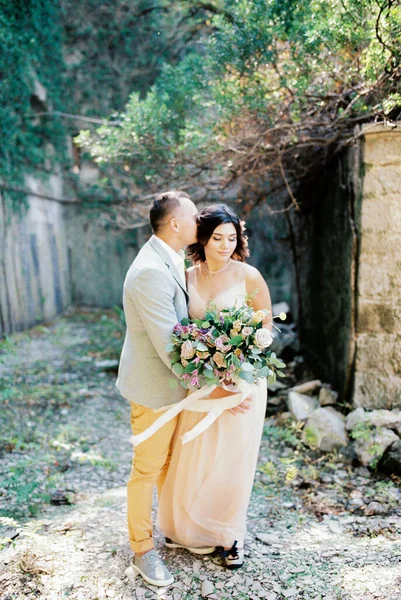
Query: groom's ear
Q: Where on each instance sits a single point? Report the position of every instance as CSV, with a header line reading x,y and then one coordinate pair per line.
x,y
174,224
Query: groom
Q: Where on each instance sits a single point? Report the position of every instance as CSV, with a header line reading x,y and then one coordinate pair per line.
x,y
155,300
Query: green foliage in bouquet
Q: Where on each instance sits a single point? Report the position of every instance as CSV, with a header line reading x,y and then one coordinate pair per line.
x,y
224,347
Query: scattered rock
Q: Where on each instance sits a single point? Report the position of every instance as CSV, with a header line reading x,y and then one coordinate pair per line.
x,y
355,500
325,429
207,588
268,538
107,365
285,341
301,405
309,387
354,418
377,418
60,497
327,396
369,450
391,462
335,527
376,508
276,387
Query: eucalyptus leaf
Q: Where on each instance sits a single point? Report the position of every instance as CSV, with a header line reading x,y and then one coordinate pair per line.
x,y
247,376
178,369
201,347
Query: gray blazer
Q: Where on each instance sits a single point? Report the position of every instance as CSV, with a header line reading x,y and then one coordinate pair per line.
x,y
154,301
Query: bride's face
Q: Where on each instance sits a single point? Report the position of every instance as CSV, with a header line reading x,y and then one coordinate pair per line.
x,y
222,243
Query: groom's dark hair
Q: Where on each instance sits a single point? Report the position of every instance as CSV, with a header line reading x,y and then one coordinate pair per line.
x,y
162,206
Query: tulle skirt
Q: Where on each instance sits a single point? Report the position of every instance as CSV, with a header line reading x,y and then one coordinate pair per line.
x,y
208,486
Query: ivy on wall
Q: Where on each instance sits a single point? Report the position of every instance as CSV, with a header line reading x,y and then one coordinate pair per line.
x,y
31,70
81,59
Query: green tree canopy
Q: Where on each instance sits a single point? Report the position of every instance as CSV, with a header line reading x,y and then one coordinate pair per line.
x,y
272,89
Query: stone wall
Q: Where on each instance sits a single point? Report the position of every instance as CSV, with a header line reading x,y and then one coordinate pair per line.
x,y
34,270
100,255
378,330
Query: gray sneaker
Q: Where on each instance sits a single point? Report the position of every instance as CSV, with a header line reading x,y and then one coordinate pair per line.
x,y
152,569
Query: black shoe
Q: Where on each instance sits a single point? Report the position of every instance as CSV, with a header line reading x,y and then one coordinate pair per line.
x,y
233,558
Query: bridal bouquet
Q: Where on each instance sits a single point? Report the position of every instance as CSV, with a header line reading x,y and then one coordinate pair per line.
x,y
223,348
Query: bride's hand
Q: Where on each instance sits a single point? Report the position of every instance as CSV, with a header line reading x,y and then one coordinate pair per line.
x,y
242,408
237,410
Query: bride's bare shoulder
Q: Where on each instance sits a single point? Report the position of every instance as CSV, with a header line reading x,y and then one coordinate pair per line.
x,y
248,270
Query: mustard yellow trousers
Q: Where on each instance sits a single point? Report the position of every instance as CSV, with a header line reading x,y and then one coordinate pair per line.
x,y
149,468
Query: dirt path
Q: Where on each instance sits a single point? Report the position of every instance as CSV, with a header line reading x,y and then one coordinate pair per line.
x,y
63,421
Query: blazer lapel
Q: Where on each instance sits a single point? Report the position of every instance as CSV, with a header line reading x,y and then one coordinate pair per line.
x,y
167,260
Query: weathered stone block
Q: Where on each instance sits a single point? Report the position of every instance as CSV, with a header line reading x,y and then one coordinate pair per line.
x,y
382,147
381,214
379,281
375,390
378,317
381,182
380,352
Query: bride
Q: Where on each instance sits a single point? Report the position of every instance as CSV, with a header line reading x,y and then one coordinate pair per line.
x,y
205,496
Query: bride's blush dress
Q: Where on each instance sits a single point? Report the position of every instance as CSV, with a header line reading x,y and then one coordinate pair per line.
x,y
205,496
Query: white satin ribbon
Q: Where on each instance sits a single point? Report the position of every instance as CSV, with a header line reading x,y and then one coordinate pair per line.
x,y
195,402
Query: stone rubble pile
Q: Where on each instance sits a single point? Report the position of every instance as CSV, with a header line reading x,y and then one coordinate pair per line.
x,y
373,437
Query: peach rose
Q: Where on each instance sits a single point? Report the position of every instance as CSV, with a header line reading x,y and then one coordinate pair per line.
x,y
218,358
187,350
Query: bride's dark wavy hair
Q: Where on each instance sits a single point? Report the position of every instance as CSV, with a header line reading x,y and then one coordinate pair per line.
x,y
211,217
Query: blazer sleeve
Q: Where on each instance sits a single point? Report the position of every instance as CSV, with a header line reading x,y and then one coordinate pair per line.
x,y
153,293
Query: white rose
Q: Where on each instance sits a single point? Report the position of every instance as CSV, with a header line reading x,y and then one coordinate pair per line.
x,y
187,350
263,338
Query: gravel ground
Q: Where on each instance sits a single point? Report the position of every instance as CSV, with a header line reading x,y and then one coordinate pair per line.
x,y
318,528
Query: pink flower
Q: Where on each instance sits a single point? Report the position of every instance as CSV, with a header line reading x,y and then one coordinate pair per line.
x,y
222,343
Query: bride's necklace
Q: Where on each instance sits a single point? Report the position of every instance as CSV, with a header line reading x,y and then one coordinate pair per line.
x,y
217,270
213,287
